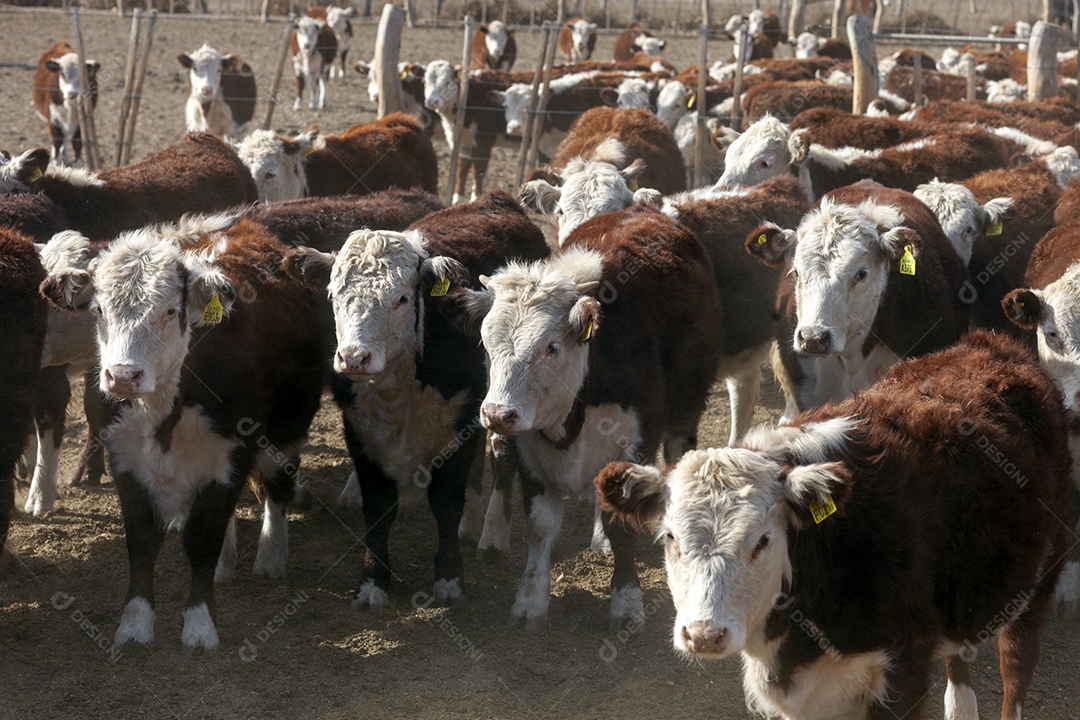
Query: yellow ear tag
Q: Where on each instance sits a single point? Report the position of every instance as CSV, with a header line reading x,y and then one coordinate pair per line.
x,y
1020,303
820,511
311,151
690,102
907,262
440,287
35,175
762,239
404,74
993,230
588,331
213,310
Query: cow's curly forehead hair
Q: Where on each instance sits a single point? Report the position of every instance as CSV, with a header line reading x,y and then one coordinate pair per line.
x,y
827,230
205,54
139,273
376,261
530,283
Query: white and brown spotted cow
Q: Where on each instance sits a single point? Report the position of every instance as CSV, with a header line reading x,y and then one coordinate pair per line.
x,y
221,92
57,93
313,48
592,358
842,557
212,356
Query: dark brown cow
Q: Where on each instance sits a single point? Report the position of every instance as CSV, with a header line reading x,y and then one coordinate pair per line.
x,y
935,85
385,153
185,437
337,19
57,91
1051,109
313,48
854,545
493,47
32,214
784,99
577,39
834,127
22,325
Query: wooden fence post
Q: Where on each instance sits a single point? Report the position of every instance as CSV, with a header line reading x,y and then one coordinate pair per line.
x,y
387,49
1042,60
545,91
837,17
701,132
534,100
797,19
271,101
86,110
917,84
864,59
459,109
129,81
136,98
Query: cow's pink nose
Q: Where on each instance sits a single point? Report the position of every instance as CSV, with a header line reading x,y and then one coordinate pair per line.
x,y
513,128
124,378
704,639
433,103
206,91
498,418
353,362
72,94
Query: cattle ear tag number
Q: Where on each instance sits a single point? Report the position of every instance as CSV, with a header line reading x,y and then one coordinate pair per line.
x,y
404,74
907,262
440,287
588,331
690,103
820,511
35,175
993,230
762,239
212,311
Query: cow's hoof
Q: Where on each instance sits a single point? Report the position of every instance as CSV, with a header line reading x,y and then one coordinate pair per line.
x,y
370,595
491,555
627,608
448,591
137,623
351,498
199,632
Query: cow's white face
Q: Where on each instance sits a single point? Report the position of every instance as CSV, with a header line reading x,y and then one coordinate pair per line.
x,y
962,218
515,102
205,67
440,86
650,46
950,60
1064,163
841,265
723,516
768,148
495,35
337,17
671,102
806,45
378,312
633,93
536,336
580,32
589,188
67,69
71,336
277,163
755,23
1058,328
307,35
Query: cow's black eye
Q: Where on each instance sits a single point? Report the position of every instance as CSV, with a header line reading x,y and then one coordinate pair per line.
x,y
762,543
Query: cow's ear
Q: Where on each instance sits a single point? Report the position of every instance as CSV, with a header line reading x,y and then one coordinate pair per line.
x,y
92,67
773,245
69,289
29,167
541,196
309,266
52,66
362,68
185,60
1023,307
814,492
799,146
634,494
497,97
997,211
228,63
899,242
483,29
609,97
206,290
585,315
649,197
592,27
440,274
722,138
303,144
635,169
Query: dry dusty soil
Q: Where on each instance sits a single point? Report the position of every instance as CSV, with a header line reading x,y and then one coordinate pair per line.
x,y
293,648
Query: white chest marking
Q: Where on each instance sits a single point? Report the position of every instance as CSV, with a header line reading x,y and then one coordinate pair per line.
x,y
834,686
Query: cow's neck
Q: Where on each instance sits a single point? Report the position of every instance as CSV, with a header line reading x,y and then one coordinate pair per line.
x,y
570,428
802,171
158,411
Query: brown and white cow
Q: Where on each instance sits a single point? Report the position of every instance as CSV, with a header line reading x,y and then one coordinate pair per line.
x,y
221,92
843,556
57,94
873,279
493,47
22,325
577,39
408,384
636,38
337,19
312,48
213,356
592,358
963,219
385,153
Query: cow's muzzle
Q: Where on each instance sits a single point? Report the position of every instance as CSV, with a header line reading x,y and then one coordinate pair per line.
x,y
500,419
125,381
814,340
704,638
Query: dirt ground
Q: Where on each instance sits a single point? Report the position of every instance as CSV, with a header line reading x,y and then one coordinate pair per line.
x,y
294,648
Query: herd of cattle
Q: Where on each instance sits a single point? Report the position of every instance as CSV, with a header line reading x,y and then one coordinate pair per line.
x,y
899,271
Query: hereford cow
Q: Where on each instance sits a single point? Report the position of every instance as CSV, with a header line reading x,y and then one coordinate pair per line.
x,y
577,40
22,325
312,48
786,99
963,219
409,386
874,280
636,38
833,127
221,92
851,546
1050,109
337,19
57,93
585,352
808,45
197,174
391,152
189,426
493,47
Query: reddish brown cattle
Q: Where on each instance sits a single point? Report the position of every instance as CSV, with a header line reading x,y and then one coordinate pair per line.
x,y
57,92
853,313
636,38
1052,109
188,434
337,19
22,325
935,85
833,127
855,545
493,47
197,174
385,153
577,39
33,215
785,100
1067,210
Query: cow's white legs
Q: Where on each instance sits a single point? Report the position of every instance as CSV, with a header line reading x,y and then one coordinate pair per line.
x,y
1067,591
226,564
534,592
496,532
137,623
351,498
960,702
42,496
199,630
273,542
600,542
322,92
743,391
